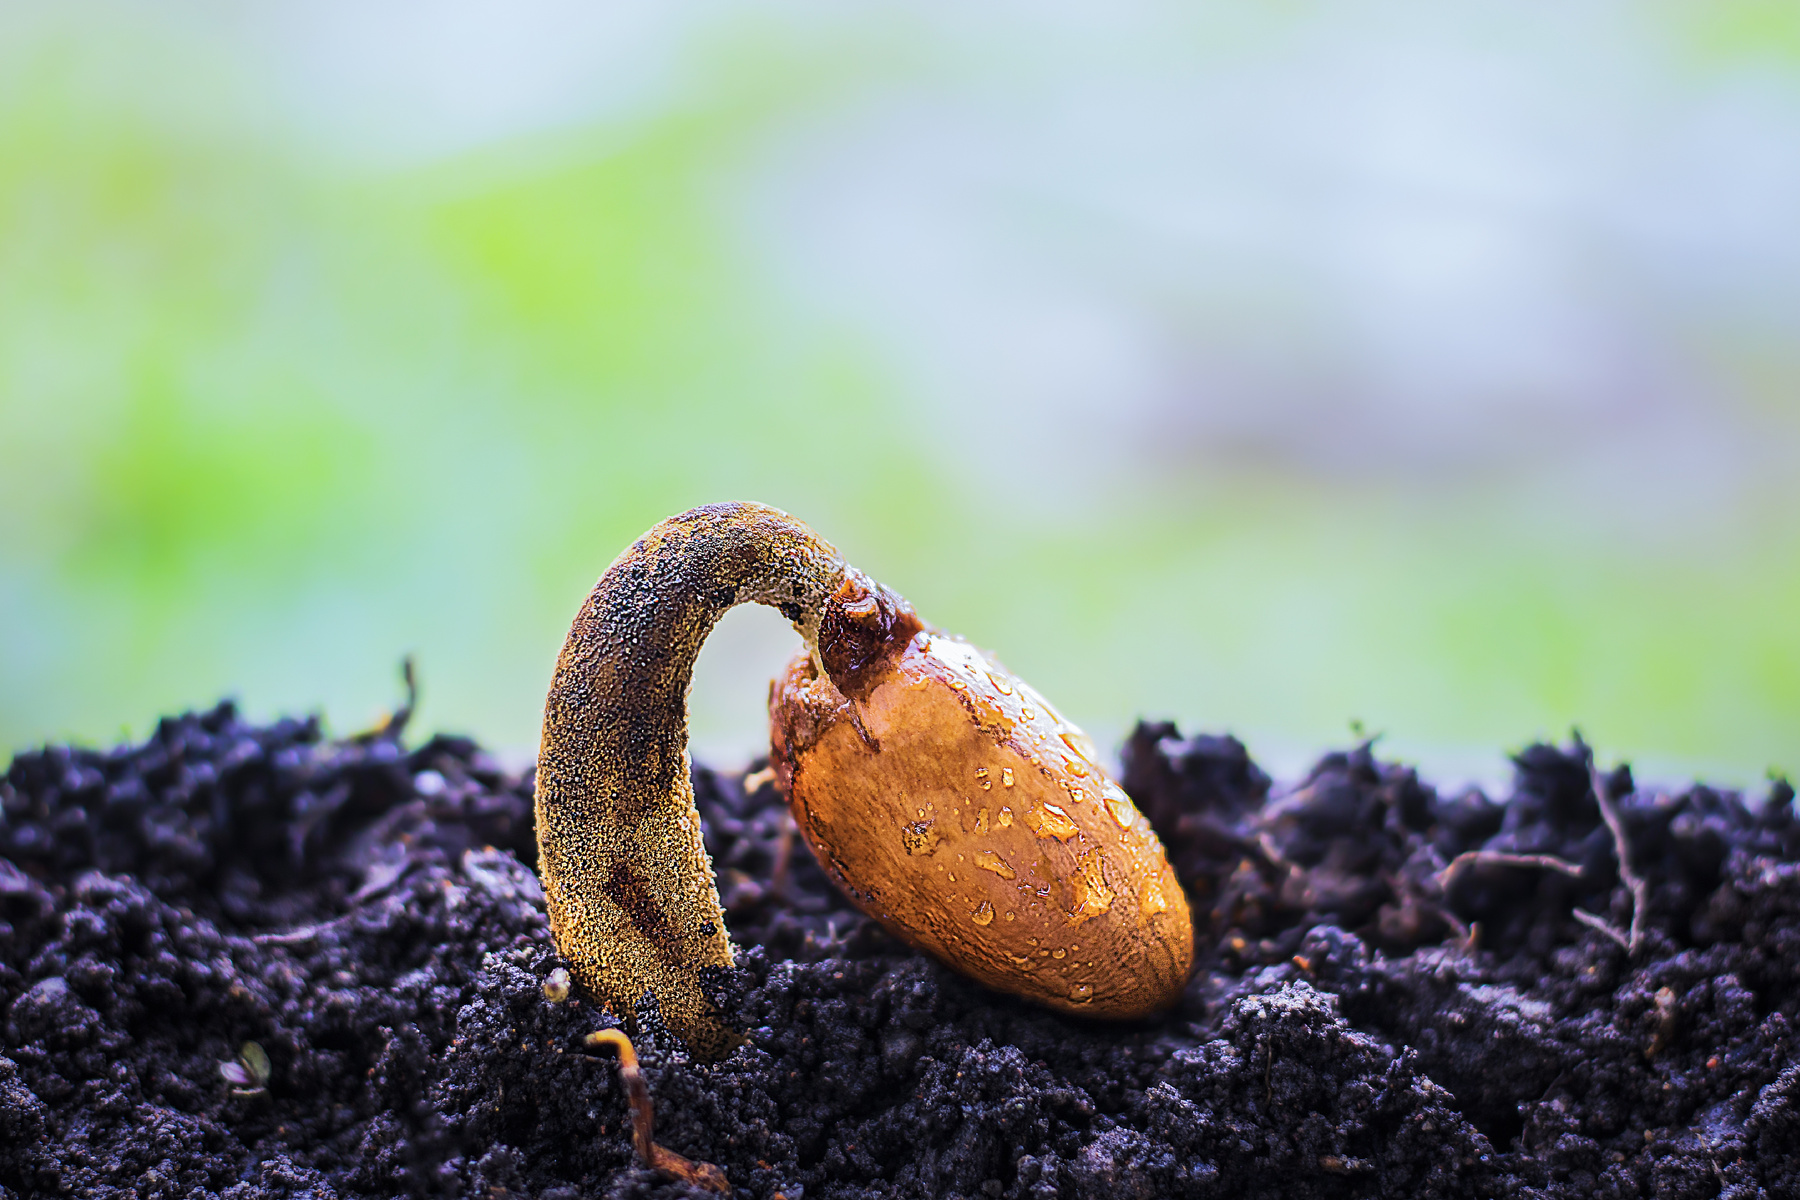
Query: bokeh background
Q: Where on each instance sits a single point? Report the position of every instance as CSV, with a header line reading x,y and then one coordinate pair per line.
x,y
1431,370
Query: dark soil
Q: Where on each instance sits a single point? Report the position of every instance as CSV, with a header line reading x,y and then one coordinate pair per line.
x,y
1356,1028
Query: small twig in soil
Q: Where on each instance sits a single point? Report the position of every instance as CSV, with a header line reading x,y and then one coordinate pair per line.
x,y
643,1118
394,724
1640,887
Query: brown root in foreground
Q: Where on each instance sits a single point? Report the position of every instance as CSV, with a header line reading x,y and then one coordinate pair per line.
x,y
643,1120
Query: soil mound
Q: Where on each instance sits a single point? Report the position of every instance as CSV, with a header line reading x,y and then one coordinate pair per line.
x,y
1374,1014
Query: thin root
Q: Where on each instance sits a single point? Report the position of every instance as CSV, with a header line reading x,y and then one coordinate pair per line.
x,y
1640,887
1596,921
1501,858
637,1093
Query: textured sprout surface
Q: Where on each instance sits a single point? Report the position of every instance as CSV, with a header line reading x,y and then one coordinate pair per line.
x,y
360,910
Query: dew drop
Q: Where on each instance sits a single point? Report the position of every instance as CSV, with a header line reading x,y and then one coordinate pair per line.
x,y
1005,817
1153,900
983,915
1001,682
1012,916
1081,993
1028,713
981,821
1076,795
1079,742
953,877
1005,776
981,777
1089,890
1120,806
1060,953
987,860
1075,767
1050,821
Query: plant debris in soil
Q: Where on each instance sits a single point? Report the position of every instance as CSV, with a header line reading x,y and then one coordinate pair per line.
x,y
246,961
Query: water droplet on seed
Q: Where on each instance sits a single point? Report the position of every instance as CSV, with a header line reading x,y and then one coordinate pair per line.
x,y
1089,890
1005,816
981,777
1121,808
1080,743
987,860
1153,900
1005,776
1081,993
1060,954
1027,713
981,821
983,915
1050,821
1000,682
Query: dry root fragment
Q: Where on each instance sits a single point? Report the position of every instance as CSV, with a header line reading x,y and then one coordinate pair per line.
x,y
643,1139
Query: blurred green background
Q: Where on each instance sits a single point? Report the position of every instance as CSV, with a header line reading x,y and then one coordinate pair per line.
x,y
1271,368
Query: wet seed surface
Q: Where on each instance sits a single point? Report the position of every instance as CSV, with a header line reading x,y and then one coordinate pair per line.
x,y
242,961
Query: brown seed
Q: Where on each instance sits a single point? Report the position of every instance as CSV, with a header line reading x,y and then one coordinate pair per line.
x,y
850,768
